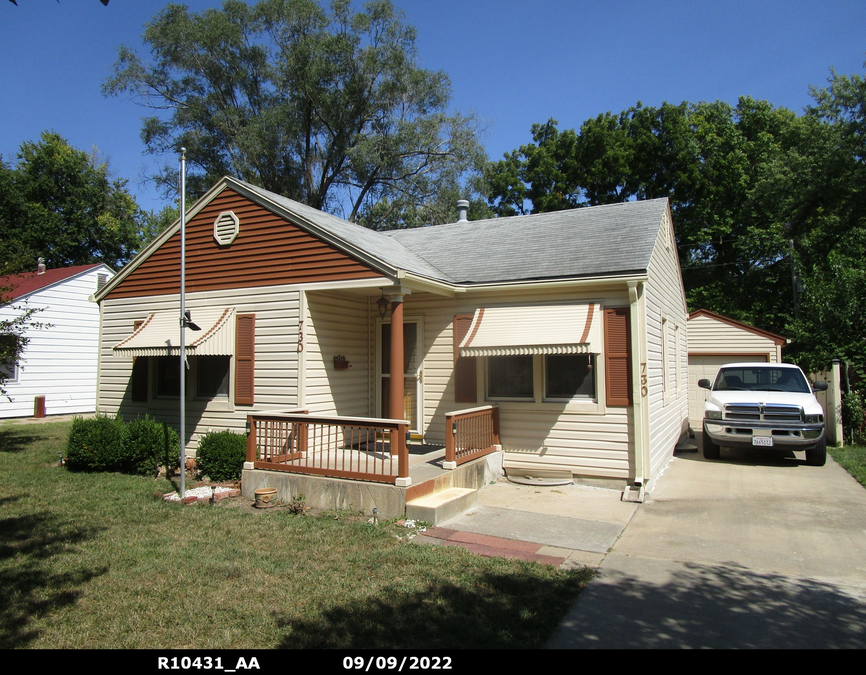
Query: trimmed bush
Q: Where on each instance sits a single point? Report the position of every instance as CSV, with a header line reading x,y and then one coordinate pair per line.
x,y
105,443
96,444
221,455
149,443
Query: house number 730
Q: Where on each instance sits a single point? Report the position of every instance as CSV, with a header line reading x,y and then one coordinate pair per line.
x,y
643,380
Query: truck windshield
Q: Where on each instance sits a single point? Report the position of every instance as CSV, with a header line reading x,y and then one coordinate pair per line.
x,y
762,379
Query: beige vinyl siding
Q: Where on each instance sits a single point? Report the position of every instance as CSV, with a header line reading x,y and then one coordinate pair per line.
x,y
538,437
337,324
666,346
276,357
710,336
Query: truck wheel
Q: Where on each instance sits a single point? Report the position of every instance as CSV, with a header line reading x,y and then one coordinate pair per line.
x,y
711,450
817,454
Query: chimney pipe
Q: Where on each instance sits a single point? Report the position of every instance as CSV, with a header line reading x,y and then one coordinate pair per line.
x,y
462,209
40,266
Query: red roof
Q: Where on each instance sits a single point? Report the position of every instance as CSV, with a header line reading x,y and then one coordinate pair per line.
x,y
27,282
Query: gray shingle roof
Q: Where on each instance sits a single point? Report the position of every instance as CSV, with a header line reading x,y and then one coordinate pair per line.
x,y
583,242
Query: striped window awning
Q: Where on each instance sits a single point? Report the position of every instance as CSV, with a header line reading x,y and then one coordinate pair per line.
x,y
540,329
159,335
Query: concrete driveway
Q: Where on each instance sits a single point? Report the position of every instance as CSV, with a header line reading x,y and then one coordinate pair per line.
x,y
751,551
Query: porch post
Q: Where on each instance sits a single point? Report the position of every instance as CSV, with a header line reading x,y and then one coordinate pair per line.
x,y
396,411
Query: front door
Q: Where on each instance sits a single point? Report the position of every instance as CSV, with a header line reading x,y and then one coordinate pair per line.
x,y
412,381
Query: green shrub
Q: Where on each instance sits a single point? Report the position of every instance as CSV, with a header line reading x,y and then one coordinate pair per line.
x,y
149,443
852,416
221,455
96,444
105,443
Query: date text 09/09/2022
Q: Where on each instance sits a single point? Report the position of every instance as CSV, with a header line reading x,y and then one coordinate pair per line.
x,y
357,663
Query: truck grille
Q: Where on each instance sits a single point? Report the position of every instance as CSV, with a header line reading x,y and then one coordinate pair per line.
x,y
767,412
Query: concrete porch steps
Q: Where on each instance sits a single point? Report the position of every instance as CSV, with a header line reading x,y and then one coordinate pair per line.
x,y
442,505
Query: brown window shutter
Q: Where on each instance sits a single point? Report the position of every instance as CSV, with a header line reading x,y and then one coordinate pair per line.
x,y
245,359
617,359
465,385
140,373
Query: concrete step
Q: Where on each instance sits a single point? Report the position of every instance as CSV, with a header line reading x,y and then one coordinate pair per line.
x,y
440,506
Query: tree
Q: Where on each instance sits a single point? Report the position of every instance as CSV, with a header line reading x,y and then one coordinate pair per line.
x,y
325,107
60,204
728,171
830,224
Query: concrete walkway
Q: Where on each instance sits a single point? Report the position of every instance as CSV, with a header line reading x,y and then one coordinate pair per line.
x,y
753,551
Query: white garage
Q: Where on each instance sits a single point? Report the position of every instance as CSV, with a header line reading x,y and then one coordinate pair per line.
x,y
715,340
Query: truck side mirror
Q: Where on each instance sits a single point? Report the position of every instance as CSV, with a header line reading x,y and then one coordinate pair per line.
x,y
819,386
705,384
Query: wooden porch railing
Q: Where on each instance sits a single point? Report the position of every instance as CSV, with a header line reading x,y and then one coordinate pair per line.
x,y
359,448
470,434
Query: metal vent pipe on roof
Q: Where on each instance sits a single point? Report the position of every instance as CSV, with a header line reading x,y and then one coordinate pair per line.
x,y
462,209
40,265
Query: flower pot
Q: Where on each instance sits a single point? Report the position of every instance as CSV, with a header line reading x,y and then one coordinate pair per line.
x,y
266,497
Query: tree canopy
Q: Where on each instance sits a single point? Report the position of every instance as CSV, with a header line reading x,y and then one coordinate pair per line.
x,y
756,191
61,204
327,107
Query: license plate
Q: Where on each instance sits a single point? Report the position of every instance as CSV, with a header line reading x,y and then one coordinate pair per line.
x,y
762,440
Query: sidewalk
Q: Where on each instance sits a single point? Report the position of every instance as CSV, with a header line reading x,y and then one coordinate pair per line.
x,y
569,525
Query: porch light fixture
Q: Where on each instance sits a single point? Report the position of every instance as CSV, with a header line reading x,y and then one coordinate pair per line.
x,y
382,304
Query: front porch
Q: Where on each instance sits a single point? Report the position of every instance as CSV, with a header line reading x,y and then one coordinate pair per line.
x,y
352,463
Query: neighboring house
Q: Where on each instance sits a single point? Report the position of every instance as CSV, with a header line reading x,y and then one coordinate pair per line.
x,y
60,360
715,340
573,323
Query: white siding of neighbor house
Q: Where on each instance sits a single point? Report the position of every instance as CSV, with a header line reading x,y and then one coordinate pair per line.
x,y
711,336
666,341
60,360
276,358
541,438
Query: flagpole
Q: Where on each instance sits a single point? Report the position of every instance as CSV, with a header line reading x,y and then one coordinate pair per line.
x,y
182,323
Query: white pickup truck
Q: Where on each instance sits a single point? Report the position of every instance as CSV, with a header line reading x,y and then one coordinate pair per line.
x,y
764,405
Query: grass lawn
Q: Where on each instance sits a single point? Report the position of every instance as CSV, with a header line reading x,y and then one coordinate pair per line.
x,y
853,459
96,561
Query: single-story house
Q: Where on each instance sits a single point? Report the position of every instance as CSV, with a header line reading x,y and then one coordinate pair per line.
x,y
60,360
567,330
715,340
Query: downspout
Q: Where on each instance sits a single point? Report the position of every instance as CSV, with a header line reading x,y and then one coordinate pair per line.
x,y
640,408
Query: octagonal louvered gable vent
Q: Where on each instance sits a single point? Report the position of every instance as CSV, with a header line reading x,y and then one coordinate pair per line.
x,y
226,228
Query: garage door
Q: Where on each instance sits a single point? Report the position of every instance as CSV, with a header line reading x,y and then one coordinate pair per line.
x,y
707,366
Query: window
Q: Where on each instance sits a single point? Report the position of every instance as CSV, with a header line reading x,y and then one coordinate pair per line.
x,y
8,362
168,377
207,376
212,376
510,377
566,377
569,376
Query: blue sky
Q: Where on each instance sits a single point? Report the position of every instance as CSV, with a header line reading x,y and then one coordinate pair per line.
x,y
511,62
